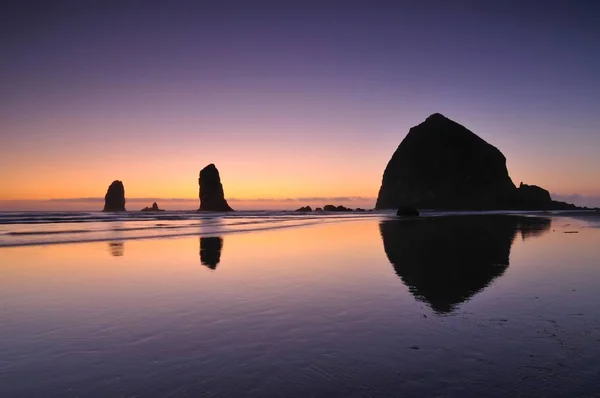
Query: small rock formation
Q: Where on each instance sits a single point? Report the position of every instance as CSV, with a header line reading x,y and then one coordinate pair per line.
x,y
360,210
304,209
212,197
114,200
336,208
407,211
443,165
153,208
318,209
532,197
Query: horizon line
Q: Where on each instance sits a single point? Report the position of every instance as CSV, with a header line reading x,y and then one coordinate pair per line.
x,y
286,199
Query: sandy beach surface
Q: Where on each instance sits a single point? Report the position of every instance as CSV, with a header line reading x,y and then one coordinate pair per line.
x,y
291,305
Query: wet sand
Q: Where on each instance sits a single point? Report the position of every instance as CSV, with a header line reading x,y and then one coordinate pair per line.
x,y
444,306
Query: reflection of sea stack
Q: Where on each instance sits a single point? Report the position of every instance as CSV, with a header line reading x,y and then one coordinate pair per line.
x,y
117,249
446,260
210,251
212,197
443,165
114,200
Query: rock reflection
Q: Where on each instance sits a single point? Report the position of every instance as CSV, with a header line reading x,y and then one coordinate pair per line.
x,y
447,260
210,251
116,248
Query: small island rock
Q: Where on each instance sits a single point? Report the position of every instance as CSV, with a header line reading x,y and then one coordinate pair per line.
x,y
304,209
153,208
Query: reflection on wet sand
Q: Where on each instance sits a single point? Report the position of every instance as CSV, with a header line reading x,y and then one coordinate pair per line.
x,y
117,248
210,251
447,260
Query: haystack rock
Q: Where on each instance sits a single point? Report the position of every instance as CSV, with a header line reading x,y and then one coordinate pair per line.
x,y
212,197
442,165
114,200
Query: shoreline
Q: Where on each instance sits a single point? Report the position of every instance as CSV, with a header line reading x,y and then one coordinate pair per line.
x,y
160,226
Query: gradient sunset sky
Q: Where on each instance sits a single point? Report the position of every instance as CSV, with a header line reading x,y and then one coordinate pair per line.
x,y
296,102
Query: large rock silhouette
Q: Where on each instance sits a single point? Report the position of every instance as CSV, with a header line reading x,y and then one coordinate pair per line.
x,y
114,200
212,197
442,165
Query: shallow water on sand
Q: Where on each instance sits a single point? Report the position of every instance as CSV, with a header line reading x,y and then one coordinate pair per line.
x,y
365,306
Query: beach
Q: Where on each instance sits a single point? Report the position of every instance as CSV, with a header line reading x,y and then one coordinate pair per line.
x,y
291,305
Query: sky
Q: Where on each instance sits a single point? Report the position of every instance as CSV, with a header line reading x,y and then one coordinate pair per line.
x,y
296,102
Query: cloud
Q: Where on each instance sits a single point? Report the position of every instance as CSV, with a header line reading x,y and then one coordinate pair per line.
x,y
307,199
579,200
298,199
96,200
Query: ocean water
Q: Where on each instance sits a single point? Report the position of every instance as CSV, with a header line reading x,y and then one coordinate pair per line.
x,y
30,228
291,305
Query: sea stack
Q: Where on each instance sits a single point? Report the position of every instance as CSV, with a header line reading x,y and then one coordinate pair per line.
x,y
212,197
114,200
443,165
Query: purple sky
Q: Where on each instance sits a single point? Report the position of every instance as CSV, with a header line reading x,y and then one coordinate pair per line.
x,y
292,98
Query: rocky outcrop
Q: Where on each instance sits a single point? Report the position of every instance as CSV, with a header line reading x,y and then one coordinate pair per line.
x,y
336,208
154,207
114,200
532,197
442,165
212,197
304,209
407,211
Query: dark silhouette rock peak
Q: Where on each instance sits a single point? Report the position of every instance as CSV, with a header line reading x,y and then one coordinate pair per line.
x,y
114,200
212,197
442,165
153,208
